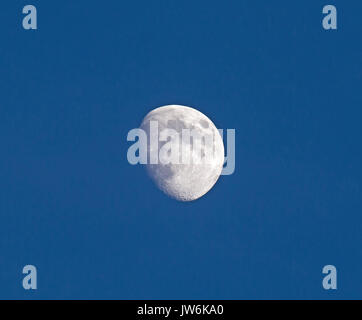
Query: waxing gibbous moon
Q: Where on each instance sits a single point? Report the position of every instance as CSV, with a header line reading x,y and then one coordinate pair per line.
x,y
191,180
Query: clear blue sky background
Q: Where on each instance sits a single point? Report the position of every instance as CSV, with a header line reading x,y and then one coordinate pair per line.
x,y
97,228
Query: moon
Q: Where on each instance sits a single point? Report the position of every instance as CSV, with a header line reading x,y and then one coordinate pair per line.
x,y
185,181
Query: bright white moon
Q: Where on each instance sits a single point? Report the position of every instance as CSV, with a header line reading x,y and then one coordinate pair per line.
x,y
190,181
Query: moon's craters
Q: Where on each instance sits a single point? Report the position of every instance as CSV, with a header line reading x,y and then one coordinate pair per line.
x,y
204,123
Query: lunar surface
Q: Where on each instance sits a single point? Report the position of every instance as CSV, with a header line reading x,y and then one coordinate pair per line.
x,y
194,173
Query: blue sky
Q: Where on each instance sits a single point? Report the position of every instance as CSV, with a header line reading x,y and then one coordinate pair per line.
x,y
96,227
